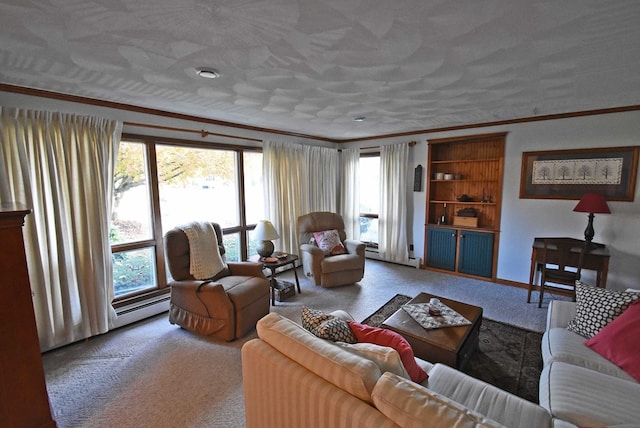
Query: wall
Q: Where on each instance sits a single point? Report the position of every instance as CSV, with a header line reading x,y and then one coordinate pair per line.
x,y
522,219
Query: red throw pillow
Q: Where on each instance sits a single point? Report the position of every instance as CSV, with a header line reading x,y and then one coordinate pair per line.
x,y
618,341
383,337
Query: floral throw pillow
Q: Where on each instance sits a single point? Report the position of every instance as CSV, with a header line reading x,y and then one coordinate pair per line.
x,y
329,242
327,326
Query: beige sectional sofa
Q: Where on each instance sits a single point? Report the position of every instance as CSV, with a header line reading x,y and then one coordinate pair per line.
x,y
292,378
578,386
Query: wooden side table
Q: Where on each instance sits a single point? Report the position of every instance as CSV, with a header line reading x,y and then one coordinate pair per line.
x,y
289,259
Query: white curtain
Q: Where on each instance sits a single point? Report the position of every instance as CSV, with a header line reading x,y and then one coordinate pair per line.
x,y
297,179
392,222
62,167
323,170
285,184
350,192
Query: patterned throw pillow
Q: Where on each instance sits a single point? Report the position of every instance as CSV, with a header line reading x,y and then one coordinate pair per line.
x,y
329,242
326,326
596,307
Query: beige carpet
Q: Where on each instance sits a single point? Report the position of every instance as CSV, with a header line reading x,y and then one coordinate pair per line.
x,y
153,374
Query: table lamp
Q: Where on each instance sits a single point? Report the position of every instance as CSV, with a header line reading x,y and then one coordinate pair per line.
x,y
264,233
591,203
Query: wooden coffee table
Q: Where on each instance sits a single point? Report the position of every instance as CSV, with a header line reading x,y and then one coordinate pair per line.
x,y
452,346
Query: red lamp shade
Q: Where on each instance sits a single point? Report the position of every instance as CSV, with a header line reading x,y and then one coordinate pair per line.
x,y
592,203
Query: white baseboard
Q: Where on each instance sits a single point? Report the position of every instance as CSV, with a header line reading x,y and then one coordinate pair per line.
x,y
373,254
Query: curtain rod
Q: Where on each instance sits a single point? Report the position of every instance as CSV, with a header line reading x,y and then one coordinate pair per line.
x,y
202,132
410,143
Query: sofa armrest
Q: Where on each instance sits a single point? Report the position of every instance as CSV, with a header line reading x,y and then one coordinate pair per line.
x,y
311,249
246,269
207,297
559,314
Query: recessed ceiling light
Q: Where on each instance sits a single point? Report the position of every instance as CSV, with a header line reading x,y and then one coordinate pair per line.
x,y
207,73
359,119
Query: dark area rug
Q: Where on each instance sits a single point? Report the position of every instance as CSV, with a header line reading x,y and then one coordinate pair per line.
x,y
509,357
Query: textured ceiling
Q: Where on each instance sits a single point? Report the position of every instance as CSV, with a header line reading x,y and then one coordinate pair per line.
x,y
311,66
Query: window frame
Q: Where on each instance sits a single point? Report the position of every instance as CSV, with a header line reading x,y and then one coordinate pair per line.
x,y
157,240
370,244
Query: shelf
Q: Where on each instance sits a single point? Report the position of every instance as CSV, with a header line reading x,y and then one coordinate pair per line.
x,y
478,162
463,203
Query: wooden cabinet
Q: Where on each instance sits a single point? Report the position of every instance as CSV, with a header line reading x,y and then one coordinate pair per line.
x,y
465,173
460,250
23,394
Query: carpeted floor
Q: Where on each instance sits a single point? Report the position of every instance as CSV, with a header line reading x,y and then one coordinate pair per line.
x,y
509,357
154,374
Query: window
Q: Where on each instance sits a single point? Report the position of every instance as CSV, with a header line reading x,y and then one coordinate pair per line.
x,y
369,198
131,234
159,185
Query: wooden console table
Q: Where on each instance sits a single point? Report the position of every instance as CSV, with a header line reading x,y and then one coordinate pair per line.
x,y
596,258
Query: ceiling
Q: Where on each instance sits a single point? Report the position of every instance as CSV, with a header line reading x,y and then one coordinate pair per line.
x,y
312,66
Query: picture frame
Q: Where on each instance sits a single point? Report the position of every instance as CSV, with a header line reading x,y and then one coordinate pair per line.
x,y
569,174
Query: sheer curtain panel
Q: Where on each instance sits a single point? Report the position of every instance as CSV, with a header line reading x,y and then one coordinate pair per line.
x,y
62,166
392,222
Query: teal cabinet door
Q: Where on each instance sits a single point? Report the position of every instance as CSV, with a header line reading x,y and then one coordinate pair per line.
x,y
476,253
441,248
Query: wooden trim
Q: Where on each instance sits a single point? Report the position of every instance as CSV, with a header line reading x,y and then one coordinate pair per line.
x,y
468,138
121,106
145,110
499,123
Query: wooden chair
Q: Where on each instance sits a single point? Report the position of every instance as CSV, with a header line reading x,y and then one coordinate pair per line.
x,y
553,258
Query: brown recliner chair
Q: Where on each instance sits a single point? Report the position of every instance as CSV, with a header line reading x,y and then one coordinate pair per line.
x,y
226,306
329,270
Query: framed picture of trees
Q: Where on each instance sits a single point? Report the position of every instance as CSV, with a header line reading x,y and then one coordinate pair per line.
x,y
568,174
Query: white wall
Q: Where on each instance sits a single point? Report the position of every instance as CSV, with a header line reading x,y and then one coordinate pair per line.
x,y
522,219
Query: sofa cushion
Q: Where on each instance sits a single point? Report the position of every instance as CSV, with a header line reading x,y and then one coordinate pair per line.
x,y
384,337
387,359
329,242
488,400
326,326
618,341
347,371
597,307
587,398
560,344
411,405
